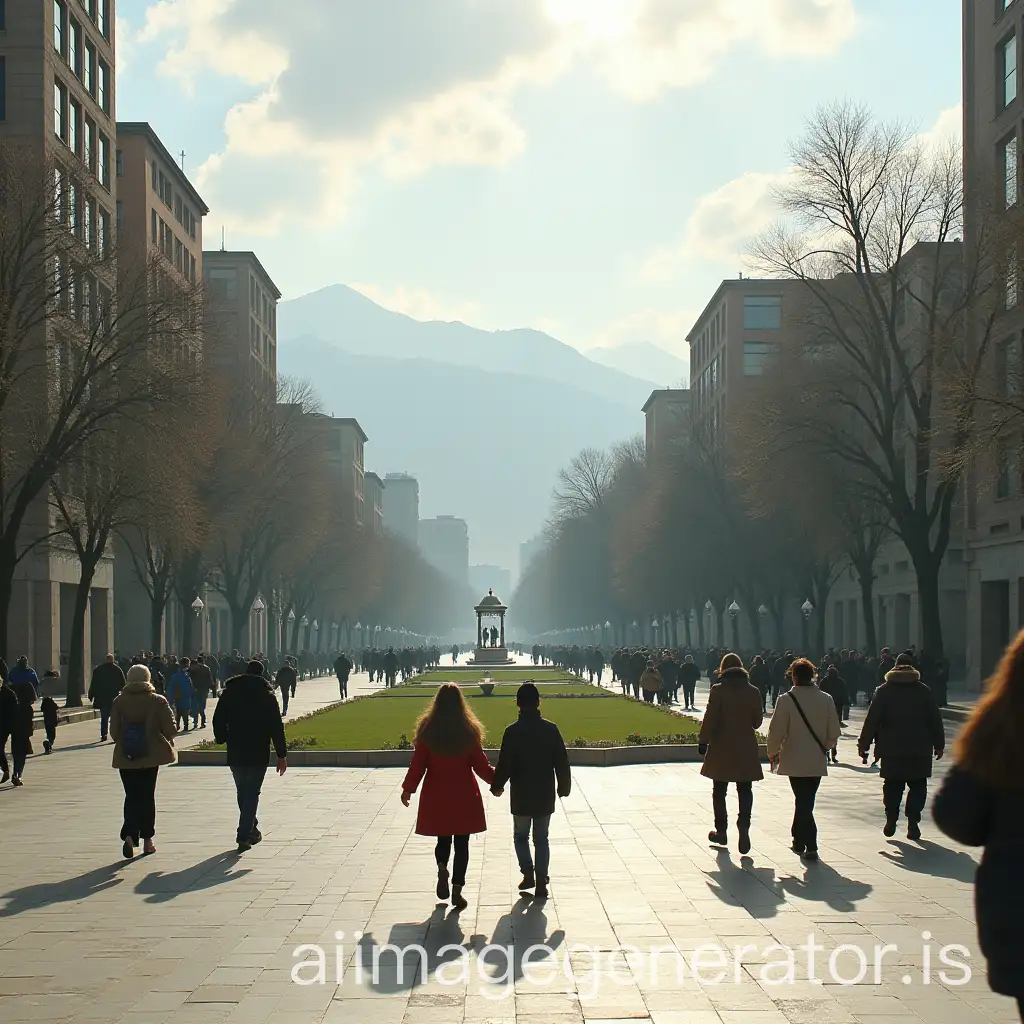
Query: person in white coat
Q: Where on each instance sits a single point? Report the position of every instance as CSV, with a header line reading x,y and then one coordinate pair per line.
x,y
804,728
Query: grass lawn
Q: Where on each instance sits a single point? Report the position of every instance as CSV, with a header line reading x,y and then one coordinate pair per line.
x,y
372,722
496,675
412,691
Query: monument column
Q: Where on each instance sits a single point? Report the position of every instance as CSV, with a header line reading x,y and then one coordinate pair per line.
x,y
502,629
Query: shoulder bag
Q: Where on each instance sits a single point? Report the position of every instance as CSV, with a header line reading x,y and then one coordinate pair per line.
x,y
821,746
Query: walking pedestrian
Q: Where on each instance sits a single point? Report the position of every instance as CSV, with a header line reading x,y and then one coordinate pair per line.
x,y
106,683
728,740
448,751
343,669
979,804
202,683
8,724
533,760
285,680
803,729
179,694
23,680
905,725
248,721
835,686
689,673
48,706
761,677
651,682
142,728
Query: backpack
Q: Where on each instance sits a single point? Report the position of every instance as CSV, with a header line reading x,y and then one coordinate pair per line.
x,y
133,740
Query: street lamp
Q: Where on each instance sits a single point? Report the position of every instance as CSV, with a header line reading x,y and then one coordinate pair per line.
x,y
734,611
762,611
655,626
198,606
259,608
806,608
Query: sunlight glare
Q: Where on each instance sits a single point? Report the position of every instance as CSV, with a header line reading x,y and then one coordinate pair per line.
x,y
600,19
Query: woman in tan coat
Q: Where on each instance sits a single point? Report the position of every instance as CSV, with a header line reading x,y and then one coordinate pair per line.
x,y
804,727
142,728
728,738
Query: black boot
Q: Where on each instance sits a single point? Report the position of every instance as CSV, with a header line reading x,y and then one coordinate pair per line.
x,y
720,836
744,833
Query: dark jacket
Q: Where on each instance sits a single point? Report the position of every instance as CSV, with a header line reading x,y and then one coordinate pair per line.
x,y
835,686
976,814
532,756
248,720
761,677
343,667
49,708
202,680
689,673
21,724
8,710
905,726
106,683
286,679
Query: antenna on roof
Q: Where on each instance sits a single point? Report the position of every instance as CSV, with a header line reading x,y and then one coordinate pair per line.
x,y
222,238
182,157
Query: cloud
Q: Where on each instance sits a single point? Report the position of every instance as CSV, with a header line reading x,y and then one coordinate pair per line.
x,y
421,304
344,87
948,128
719,226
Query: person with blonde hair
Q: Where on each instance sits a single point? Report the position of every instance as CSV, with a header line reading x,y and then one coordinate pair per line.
x,y
979,804
448,751
142,728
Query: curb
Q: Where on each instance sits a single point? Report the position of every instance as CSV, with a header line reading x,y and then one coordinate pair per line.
x,y
68,716
579,757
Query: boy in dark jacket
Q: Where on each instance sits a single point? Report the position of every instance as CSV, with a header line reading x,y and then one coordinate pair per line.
x,y
248,720
49,709
532,758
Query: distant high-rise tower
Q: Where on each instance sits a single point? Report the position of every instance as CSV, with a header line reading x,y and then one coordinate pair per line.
x,y
402,506
444,543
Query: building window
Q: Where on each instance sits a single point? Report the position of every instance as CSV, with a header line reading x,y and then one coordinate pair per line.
x,y
73,191
60,120
103,157
103,241
119,163
58,26
192,269
89,69
1009,70
153,171
74,41
1010,165
223,284
1002,471
90,223
1008,367
103,18
3,80
103,92
152,224
178,211
120,217
762,312
74,116
89,152
58,195
1012,279
756,355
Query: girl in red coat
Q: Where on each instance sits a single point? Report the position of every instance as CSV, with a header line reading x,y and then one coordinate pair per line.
x,y
448,750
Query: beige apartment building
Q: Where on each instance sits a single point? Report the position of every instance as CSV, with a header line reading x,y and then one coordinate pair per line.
x,y
373,503
993,135
159,214
57,101
241,336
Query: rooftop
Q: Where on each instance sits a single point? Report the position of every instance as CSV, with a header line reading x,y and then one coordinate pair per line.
x,y
145,129
211,256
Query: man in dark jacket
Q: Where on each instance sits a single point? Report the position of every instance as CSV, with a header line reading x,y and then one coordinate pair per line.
x,y
22,679
906,728
106,683
835,686
689,673
285,681
532,757
343,669
202,683
8,724
248,720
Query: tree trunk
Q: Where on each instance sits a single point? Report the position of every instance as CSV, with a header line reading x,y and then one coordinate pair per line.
x,y
927,570
867,603
156,617
187,620
675,631
238,623
8,563
719,626
689,630
296,626
76,643
700,630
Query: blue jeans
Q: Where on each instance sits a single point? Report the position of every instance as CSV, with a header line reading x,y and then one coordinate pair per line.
x,y
521,825
198,711
248,784
104,722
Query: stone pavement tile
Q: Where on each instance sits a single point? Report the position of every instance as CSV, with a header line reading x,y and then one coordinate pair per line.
x,y
685,1017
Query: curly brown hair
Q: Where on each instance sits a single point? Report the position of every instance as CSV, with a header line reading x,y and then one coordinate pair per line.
x,y
449,727
989,745
802,672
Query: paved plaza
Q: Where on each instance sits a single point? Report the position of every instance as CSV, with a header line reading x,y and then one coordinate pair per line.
x,y
196,934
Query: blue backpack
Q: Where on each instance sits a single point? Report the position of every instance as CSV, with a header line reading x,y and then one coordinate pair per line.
x,y
133,740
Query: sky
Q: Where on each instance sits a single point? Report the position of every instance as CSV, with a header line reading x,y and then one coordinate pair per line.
x,y
592,168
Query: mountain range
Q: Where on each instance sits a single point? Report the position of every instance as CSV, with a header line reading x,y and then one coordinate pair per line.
x,y
643,359
484,419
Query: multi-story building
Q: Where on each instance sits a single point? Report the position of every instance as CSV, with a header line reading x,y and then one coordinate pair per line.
x,y
241,336
490,577
340,443
993,31
373,503
529,550
741,328
444,543
667,421
402,506
57,107
159,214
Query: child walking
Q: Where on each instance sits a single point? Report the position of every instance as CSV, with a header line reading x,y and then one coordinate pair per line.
x,y
49,709
448,751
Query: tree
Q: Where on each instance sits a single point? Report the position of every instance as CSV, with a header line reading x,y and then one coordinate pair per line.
x,y
896,316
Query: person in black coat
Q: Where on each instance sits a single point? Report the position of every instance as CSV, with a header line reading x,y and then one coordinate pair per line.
x,y
835,686
8,722
906,728
979,804
533,757
761,677
106,683
248,720
689,673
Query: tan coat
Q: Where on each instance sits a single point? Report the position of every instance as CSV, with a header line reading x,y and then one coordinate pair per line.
x,y
789,739
729,729
139,702
651,681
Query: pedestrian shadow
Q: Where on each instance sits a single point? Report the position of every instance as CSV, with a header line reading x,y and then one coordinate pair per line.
x,y
67,890
822,884
730,882
161,886
523,930
929,858
413,953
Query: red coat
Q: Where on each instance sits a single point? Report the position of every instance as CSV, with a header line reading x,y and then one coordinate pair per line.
x,y
450,804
